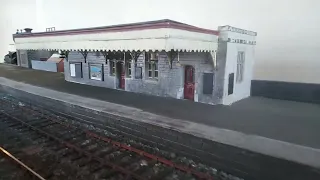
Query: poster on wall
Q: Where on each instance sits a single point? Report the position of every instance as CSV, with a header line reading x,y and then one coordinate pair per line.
x,y
72,70
96,72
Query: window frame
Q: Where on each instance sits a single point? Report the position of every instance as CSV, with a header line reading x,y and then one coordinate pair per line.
x,y
152,67
112,67
128,69
240,66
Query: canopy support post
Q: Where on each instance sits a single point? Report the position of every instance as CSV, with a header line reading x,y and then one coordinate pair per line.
x,y
84,54
105,55
171,56
135,55
65,54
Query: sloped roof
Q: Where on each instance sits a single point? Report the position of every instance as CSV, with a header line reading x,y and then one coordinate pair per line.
x,y
165,23
152,35
55,58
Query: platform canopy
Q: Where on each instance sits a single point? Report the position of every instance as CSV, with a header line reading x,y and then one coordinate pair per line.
x,y
153,35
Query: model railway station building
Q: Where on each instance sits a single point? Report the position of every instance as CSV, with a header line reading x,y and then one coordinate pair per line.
x,y
162,58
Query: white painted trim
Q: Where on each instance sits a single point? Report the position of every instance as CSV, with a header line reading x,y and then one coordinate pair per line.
x,y
151,39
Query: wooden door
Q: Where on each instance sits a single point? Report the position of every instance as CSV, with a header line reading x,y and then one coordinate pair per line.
x,y
189,85
122,76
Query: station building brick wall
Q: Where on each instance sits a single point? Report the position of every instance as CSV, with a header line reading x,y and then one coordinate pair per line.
x,y
170,82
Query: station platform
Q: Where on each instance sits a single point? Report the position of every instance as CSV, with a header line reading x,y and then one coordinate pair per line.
x,y
283,129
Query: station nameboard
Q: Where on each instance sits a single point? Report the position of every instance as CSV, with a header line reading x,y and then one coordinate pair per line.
x,y
237,30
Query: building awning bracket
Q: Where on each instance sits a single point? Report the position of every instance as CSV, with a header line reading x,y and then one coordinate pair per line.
x,y
84,54
171,56
65,54
105,55
213,56
135,55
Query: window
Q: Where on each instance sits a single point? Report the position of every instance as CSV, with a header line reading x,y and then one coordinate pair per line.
x,y
231,83
128,69
152,68
138,72
96,72
240,66
152,65
76,70
112,68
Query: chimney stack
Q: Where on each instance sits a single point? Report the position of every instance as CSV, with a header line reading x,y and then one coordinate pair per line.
x,y
27,30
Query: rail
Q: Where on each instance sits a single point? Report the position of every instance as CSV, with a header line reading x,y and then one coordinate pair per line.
x,y
16,160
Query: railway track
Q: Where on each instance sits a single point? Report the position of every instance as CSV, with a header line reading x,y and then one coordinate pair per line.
x,y
73,152
156,141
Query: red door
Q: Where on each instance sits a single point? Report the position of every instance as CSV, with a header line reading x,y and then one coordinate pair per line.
x,y
189,83
122,77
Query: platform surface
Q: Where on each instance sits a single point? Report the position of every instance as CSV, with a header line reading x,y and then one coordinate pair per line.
x,y
288,121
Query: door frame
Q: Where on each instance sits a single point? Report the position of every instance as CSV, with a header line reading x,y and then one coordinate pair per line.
x,y
120,70
184,81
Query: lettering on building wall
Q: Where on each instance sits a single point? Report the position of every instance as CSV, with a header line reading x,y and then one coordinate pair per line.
x,y
241,31
241,41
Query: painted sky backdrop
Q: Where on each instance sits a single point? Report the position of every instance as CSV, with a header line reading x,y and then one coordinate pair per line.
x,y
288,41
